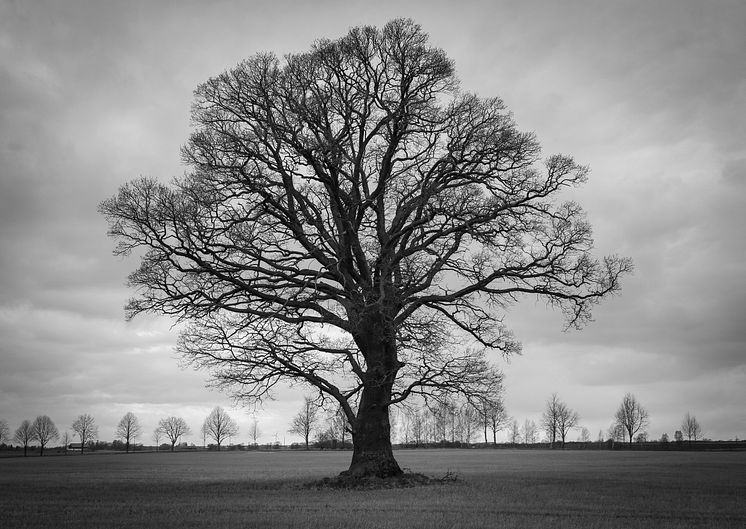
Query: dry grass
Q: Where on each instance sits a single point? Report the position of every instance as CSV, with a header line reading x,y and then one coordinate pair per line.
x,y
496,488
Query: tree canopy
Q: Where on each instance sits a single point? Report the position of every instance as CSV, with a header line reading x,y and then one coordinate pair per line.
x,y
353,220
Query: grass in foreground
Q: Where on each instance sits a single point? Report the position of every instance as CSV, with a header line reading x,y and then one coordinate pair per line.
x,y
496,488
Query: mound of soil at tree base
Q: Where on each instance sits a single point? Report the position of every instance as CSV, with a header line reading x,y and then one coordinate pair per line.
x,y
406,480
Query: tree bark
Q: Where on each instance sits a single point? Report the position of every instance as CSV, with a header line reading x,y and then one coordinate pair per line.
x,y
372,453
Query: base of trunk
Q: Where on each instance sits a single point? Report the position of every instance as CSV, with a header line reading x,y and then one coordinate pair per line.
x,y
380,464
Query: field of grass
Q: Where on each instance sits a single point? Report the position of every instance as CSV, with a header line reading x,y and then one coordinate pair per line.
x,y
495,488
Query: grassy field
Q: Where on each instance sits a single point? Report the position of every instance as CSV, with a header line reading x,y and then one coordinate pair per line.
x,y
496,488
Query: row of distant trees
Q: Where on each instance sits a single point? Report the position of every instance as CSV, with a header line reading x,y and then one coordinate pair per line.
x,y
454,421
447,420
218,426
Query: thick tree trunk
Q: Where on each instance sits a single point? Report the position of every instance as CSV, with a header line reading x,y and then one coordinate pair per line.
x,y
372,453
371,433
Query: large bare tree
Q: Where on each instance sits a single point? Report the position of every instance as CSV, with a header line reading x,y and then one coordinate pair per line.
x,y
174,428
354,221
128,429
44,431
219,426
24,434
631,416
85,426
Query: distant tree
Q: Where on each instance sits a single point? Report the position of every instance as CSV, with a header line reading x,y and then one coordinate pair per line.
x,y
585,435
678,436
85,427
664,438
529,432
600,438
631,415
254,431
416,426
44,431
550,418
558,419
66,440
304,422
338,426
468,422
514,432
128,429
4,432
641,437
173,428
567,419
616,432
493,416
220,426
157,436
24,435
691,428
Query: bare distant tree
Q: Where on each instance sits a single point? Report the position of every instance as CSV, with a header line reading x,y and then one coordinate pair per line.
x,y
678,436
303,423
157,436
514,432
567,419
550,418
4,432
24,435
631,416
66,440
254,431
351,217
220,426
691,428
416,426
339,428
469,422
585,435
616,432
44,431
173,428
492,416
128,429
529,432
85,427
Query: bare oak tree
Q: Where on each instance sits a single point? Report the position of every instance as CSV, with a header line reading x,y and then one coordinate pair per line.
x,y
85,427
303,423
24,435
44,431
128,429
631,416
354,221
173,428
691,428
219,426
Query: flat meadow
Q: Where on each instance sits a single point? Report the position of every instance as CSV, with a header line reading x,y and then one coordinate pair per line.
x,y
495,488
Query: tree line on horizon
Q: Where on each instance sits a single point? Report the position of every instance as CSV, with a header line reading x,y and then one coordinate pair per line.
x,y
444,421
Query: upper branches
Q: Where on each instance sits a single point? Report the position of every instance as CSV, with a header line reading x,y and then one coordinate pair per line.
x,y
356,183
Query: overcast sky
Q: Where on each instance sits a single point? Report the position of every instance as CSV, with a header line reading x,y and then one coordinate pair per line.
x,y
650,94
